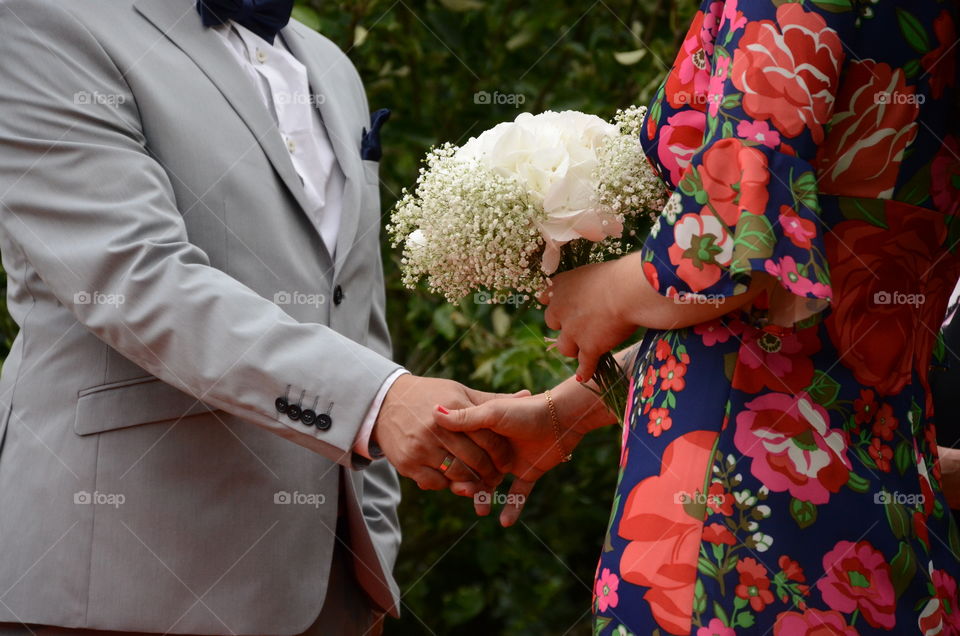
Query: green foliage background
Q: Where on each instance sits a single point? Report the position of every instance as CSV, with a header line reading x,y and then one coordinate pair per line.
x,y
426,60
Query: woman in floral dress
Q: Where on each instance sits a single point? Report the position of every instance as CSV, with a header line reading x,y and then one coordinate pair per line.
x,y
779,472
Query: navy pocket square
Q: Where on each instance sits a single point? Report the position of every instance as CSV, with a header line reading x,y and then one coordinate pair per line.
x,y
370,148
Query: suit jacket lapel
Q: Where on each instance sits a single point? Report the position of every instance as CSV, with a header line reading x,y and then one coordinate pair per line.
x,y
178,20
345,140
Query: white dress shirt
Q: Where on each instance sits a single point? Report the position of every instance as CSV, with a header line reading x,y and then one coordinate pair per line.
x,y
284,87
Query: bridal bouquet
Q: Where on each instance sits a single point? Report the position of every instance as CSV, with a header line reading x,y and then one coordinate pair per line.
x,y
524,200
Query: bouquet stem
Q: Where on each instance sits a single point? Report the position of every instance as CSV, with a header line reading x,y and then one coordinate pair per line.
x,y
612,384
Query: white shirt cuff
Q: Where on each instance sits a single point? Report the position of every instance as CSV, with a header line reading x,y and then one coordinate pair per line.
x,y
361,444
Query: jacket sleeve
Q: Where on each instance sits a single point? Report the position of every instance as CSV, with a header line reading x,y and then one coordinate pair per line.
x,y
94,212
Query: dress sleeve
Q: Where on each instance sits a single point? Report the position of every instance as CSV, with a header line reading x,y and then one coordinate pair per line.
x,y
748,200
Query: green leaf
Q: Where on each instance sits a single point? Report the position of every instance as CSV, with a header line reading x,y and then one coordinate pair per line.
x,y
912,68
730,364
745,619
897,515
705,566
903,568
727,130
903,457
914,31
699,597
856,483
803,512
754,239
823,389
722,615
834,6
731,100
870,210
805,191
600,623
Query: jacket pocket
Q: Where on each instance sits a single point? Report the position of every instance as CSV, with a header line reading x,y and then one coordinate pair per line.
x,y
143,400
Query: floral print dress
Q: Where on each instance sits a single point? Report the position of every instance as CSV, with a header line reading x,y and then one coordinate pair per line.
x,y
779,472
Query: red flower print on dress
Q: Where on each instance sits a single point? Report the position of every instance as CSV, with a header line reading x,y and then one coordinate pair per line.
x,y
945,177
672,373
664,534
716,628
868,263
735,177
941,615
754,585
680,138
793,447
663,349
874,123
758,131
719,534
776,359
791,569
797,229
881,454
649,382
719,501
939,63
812,622
788,70
658,422
702,249
864,407
606,590
785,270
650,270
688,79
885,423
857,577
713,332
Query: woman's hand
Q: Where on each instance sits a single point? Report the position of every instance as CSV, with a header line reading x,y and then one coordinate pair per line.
x,y
527,424
591,307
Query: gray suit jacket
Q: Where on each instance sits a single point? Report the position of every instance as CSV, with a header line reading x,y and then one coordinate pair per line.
x,y
150,218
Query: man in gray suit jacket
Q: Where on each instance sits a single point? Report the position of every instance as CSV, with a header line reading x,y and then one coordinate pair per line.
x,y
189,222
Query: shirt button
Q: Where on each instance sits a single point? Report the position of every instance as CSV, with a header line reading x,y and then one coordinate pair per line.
x,y
261,56
338,295
291,146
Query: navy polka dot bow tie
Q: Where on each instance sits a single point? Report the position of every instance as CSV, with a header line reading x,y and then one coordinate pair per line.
x,y
263,17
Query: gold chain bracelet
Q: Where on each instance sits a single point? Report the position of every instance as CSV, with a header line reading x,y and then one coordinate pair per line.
x,y
564,456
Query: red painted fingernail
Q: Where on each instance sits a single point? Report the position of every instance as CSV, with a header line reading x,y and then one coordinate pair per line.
x,y
579,379
443,410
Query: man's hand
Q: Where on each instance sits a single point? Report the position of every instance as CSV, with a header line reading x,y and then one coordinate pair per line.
x,y
527,423
417,447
